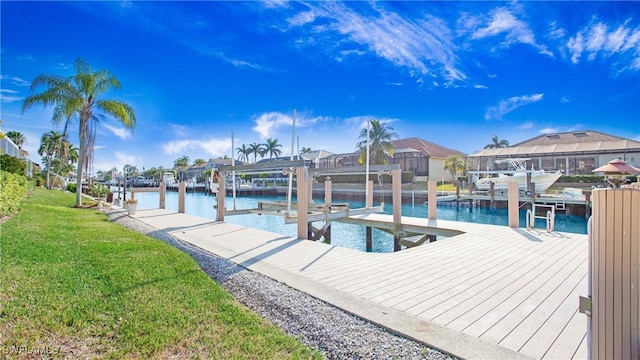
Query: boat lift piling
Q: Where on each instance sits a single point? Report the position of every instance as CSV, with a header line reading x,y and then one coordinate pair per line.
x,y
308,212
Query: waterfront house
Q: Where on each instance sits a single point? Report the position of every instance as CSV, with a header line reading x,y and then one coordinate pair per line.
x,y
574,153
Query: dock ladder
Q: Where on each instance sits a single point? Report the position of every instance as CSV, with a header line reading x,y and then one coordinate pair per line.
x,y
549,216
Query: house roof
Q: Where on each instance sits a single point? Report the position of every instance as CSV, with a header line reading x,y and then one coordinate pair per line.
x,y
429,149
318,154
564,143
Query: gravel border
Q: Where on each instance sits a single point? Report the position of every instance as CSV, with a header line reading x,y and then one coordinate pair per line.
x,y
319,325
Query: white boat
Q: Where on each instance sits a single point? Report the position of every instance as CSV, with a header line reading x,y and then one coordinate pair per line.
x,y
542,180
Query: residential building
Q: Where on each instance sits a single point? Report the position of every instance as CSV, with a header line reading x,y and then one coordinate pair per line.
x,y
425,159
574,153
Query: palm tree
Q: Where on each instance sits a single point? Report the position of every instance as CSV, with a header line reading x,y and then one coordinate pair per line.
x,y
65,159
271,148
51,143
454,164
495,143
380,144
305,150
255,149
199,162
78,98
243,153
17,137
181,162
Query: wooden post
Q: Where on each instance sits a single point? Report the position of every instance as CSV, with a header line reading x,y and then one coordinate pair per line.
x,y
432,199
369,195
532,190
491,195
587,203
369,239
614,274
513,204
163,194
182,189
327,200
396,186
222,194
302,181
327,190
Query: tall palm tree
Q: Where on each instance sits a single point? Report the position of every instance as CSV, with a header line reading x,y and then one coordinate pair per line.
x,y
305,150
454,164
79,98
51,143
243,153
17,137
271,147
495,143
380,145
255,149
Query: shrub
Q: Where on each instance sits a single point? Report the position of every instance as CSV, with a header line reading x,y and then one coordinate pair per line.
x,y
72,187
13,165
13,189
99,190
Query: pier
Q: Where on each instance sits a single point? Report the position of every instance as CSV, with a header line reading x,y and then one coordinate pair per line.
x,y
488,292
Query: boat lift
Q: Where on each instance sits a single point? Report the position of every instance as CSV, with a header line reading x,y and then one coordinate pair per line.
x,y
306,211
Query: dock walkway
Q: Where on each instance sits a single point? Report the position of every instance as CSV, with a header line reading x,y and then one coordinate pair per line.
x,y
492,292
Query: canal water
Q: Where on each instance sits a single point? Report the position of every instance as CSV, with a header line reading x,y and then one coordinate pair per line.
x,y
346,235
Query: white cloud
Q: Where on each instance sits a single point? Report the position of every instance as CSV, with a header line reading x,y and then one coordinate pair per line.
x,y
424,46
118,160
14,80
302,18
597,40
506,106
9,98
212,147
526,126
549,130
502,22
268,123
120,132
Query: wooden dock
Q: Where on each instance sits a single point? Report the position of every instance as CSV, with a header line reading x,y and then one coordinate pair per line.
x,y
489,292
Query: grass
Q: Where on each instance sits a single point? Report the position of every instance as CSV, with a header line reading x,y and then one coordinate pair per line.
x,y
73,284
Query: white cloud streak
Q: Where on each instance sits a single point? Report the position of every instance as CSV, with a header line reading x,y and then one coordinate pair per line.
x,y
9,98
597,40
507,106
501,22
424,46
268,123
120,132
14,80
212,147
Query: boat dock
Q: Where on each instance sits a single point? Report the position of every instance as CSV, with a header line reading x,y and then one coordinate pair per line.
x,y
486,292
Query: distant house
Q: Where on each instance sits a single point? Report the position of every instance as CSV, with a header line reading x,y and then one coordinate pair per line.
x,y
8,147
575,152
196,173
425,159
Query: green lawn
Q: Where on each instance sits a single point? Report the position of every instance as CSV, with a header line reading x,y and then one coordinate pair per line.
x,y
74,284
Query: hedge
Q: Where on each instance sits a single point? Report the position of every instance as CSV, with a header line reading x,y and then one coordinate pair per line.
x,y
13,188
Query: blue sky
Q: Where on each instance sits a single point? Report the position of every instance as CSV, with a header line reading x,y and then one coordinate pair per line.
x,y
453,73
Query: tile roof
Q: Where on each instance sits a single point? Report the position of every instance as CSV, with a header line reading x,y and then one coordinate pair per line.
x,y
429,149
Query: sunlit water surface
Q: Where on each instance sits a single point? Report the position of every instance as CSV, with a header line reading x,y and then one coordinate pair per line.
x,y
346,235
